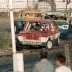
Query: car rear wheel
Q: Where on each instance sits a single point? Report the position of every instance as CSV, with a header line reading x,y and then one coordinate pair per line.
x,y
49,44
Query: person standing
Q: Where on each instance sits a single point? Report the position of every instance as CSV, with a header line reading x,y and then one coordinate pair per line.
x,y
60,62
44,65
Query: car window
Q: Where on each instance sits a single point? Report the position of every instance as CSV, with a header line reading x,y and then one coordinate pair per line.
x,y
52,26
38,25
54,17
37,14
44,25
34,26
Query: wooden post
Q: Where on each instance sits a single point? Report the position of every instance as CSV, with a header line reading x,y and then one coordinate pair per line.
x,y
18,64
67,54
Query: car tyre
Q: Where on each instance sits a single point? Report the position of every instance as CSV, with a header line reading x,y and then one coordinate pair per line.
x,y
19,46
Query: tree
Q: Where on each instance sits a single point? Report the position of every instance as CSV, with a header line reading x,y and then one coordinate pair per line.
x,y
52,4
68,1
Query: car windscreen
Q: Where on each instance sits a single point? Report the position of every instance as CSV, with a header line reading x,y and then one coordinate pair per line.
x,y
54,17
37,25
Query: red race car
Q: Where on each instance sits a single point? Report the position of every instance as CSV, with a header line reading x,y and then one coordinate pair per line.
x,y
39,33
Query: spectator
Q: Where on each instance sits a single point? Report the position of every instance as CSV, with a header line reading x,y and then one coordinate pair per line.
x,y
60,61
43,65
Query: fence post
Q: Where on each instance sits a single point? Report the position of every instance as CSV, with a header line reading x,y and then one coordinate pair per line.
x,y
67,54
18,64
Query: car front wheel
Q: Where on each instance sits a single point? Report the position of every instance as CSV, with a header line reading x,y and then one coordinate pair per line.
x,y
19,46
49,44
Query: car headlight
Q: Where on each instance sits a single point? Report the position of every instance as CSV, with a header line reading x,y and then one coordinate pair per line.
x,y
60,27
65,26
43,39
57,35
20,38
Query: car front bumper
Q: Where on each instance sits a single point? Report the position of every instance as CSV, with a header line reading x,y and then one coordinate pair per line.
x,y
36,43
64,31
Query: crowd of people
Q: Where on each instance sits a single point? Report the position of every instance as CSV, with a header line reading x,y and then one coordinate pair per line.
x,y
44,65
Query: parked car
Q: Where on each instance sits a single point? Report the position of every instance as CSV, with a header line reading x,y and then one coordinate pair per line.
x,y
53,17
25,15
29,14
39,33
19,25
64,27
